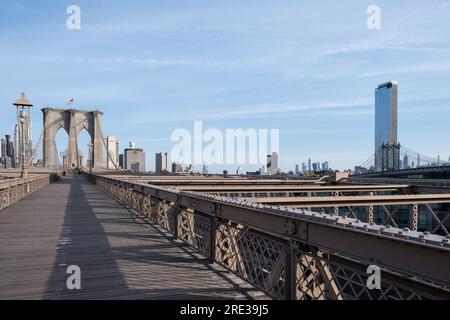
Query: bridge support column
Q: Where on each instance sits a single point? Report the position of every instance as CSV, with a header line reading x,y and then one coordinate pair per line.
x,y
369,214
290,271
309,194
99,161
72,151
413,217
213,239
73,121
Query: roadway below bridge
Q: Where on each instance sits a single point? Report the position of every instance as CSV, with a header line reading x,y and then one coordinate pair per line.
x,y
121,255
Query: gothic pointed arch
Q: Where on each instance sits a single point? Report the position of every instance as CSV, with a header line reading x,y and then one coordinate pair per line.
x,y
73,121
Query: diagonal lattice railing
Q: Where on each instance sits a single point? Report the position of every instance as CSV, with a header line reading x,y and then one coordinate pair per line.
x,y
329,264
14,190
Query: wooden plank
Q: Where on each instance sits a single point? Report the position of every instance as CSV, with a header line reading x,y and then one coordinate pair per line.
x,y
121,257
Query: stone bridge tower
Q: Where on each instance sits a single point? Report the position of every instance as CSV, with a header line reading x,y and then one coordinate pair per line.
x,y
73,122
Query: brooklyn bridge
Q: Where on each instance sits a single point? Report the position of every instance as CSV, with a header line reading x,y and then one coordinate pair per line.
x,y
196,237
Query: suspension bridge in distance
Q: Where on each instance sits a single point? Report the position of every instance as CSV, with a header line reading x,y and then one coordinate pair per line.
x,y
400,161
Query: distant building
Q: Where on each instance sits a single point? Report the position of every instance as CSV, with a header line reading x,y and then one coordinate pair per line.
x,y
316,166
309,165
325,166
7,152
177,168
189,169
272,164
3,148
297,169
7,164
117,155
134,159
304,167
121,161
3,152
10,150
161,162
205,169
405,162
11,154
112,145
386,125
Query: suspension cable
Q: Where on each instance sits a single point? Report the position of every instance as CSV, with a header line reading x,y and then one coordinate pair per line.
x,y
105,145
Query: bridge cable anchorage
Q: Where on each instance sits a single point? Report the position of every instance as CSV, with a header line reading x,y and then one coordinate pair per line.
x,y
114,162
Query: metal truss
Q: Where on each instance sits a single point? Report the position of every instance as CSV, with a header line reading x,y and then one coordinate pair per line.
x,y
255,257
414,216
295,254
323,276
414,212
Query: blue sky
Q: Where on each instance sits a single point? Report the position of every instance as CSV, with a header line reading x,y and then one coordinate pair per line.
x,y
304,67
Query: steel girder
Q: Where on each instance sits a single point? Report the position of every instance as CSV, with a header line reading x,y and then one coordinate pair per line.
x,y
261,244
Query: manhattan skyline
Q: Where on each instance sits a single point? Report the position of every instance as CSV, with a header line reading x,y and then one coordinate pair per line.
x,y
153,68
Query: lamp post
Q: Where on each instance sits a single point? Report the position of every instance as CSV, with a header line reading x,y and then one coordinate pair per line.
x,y
23,107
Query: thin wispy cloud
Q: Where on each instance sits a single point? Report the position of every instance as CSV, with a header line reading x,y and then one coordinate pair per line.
x,y
435,67
361,107
256,111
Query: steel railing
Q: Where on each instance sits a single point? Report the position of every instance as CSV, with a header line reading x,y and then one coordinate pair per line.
x,y
291,253
14,190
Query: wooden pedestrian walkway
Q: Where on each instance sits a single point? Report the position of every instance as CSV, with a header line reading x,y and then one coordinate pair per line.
x,y
121,256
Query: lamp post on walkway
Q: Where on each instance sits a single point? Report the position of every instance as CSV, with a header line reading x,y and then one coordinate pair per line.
x,y
23,131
